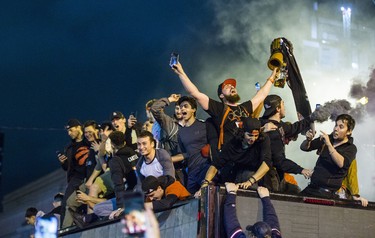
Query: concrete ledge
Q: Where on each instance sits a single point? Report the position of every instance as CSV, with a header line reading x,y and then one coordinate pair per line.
x,y
341,218
181,221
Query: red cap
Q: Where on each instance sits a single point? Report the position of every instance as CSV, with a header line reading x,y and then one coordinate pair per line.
x,y
229,81
221,86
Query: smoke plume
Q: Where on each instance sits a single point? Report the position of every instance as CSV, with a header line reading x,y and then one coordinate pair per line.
x,y
358,91
330,110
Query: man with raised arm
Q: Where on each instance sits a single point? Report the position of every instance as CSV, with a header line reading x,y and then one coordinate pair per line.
x,y
280,134
170,126
226,114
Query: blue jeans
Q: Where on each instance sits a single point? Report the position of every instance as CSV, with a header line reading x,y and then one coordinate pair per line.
x,y
195,178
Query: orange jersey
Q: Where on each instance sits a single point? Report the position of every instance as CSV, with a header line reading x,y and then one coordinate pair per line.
x,y
177,189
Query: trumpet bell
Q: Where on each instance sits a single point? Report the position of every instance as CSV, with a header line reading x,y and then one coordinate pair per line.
x,y
276,61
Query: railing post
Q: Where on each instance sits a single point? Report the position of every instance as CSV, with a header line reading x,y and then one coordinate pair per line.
x,y
207,212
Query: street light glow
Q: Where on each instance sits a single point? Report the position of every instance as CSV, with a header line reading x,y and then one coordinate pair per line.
x,y
363,100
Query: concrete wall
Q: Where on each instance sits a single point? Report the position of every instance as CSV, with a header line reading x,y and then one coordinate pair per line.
x,y
297,219
309,220
180,222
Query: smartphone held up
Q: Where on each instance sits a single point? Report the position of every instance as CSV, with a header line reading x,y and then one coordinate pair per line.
x,y
46,227
174,59
135,220
134,114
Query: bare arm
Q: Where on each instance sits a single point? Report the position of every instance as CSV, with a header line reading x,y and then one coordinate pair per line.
x,y
89,200
211,172
190,87
263,169
336,156
177,158
93,176
265,90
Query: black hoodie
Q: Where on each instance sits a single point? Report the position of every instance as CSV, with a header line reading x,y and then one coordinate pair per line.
x,y
122,166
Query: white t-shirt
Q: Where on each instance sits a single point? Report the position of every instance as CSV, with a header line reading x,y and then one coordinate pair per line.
x,y
154,168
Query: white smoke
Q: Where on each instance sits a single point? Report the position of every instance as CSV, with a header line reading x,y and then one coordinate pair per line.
x,y
239,48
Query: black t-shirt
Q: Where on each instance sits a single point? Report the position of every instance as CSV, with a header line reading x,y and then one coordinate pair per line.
x,y
191,141
77,153
245,156
284,133
217,109
326,172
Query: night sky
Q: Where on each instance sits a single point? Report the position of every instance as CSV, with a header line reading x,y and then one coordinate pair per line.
x,y
85,59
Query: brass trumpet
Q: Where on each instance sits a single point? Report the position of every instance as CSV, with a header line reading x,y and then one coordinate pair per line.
x,y
276,60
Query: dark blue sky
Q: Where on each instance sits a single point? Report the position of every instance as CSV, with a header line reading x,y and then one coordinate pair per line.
x,y
84,59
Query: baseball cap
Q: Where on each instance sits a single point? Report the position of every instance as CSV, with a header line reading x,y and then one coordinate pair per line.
x,y
58,197
105,124
150,184
72,123
271,102
227,81
117,115
249,124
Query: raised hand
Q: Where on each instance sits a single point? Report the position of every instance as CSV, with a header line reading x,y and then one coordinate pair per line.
x,y
263,192
174,97
310,135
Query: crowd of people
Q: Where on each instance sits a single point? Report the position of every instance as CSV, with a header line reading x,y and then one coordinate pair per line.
x,y
171,157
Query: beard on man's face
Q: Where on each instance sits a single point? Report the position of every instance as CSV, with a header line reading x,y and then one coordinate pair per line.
x,y
232,98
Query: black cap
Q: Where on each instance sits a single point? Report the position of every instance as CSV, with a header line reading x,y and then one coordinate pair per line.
x,y
72,123
58,197
105,124
117,115
271,102
249,124
150,184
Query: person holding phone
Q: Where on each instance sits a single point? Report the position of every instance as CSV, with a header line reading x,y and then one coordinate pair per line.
x,y
73,161
226,115
148,226
32,214
130,129
46,227
229,97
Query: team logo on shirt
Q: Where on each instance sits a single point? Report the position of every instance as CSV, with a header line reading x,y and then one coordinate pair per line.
x,y
82,154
